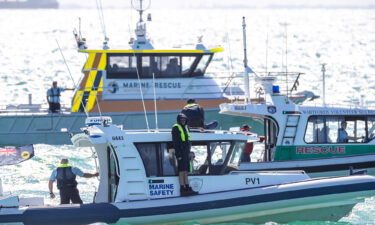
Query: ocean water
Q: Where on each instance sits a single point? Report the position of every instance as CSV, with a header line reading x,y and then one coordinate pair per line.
x,y
30,61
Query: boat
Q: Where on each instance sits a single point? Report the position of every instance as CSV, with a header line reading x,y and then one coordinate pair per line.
x,y
29,4
301,134
139,185
128,85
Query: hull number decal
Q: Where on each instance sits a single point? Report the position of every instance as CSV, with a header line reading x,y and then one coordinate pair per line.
x,y
117,138
253,180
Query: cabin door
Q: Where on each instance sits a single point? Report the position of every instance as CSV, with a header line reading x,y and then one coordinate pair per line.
x,y
271,130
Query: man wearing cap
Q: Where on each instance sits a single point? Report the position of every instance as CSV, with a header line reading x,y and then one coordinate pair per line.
x,y
194,114
65,175
181,145
249,145
53,97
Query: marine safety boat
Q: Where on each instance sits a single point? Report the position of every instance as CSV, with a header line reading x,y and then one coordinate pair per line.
x,y
129,85
309,137
139,185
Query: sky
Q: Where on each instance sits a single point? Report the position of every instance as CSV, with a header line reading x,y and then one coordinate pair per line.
x,y
223,3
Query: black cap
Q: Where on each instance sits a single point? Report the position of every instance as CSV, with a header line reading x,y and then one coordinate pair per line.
x,y
190,100
245,126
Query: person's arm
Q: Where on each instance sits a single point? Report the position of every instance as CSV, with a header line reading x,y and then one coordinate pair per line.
x,y
47,96
50,184
176,139
79,172
89,175
50,187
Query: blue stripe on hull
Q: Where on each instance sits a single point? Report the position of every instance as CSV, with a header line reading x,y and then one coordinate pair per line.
x,y
108,213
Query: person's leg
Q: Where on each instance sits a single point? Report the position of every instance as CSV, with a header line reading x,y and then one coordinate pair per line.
x,y
64,196
58,107
76,199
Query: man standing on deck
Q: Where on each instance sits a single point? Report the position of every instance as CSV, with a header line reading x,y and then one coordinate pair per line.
x,y
66,182
53,97
181,144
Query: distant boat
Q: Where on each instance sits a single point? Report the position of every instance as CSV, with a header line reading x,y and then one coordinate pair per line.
x,y
29,4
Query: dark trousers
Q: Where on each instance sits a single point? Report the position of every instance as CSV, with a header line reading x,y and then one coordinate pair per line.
x,y
54,107
70,194
245,157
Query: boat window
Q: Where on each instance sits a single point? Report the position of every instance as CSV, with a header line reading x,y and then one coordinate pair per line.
x,y
187,63
329,129
148,152
169,160
170,66
202,65
371,127
113,177
121,67
200,162
219,152
234,160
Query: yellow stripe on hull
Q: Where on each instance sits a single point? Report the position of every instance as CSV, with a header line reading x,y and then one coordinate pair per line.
x,y
92,69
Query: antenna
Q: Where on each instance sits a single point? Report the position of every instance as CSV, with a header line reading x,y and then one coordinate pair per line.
x,y
140,31
324,82
156,111
267,47
246,78
99,7
141,6
75,86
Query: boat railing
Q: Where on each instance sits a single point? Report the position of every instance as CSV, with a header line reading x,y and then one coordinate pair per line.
x,y
29,109
192,130
268,172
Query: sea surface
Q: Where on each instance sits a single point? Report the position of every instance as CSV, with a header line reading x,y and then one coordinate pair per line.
x,y
30,60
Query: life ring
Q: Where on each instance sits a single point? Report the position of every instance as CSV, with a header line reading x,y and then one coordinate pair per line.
x,y
25,154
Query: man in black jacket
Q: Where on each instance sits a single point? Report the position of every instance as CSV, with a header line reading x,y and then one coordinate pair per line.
x,y
65,175
194,113
181,144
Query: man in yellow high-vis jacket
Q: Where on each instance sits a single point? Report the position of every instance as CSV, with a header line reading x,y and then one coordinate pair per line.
x,y
181,144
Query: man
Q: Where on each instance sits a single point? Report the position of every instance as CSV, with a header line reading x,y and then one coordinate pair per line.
x,y
181,144
53,97
249,145
343,136
194,114
66,182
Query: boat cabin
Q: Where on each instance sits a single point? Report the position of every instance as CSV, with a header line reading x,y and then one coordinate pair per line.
x,y
299,132
130,75
142,165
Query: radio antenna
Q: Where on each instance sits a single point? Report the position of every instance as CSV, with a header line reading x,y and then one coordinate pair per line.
x,y
71,77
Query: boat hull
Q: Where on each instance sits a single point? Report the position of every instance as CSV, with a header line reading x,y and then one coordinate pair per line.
x,y
334,166
52,128
317,199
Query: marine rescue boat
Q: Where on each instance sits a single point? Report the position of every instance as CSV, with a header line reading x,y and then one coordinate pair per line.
x,y
129,86
306,136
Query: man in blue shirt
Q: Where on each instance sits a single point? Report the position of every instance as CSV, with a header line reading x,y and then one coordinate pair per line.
x,y
65,175
53,97
343,136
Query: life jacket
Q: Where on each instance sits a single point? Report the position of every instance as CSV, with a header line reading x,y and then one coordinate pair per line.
x,y
53,93
65,176
182,133
190,105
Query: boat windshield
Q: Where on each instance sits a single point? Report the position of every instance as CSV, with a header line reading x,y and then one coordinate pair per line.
x,y
207,157
129,66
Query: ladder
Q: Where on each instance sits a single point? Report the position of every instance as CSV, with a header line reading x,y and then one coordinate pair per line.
x,y
290,130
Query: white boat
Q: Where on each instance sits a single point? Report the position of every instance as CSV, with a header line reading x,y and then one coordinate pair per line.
x,y
306,136
139,185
